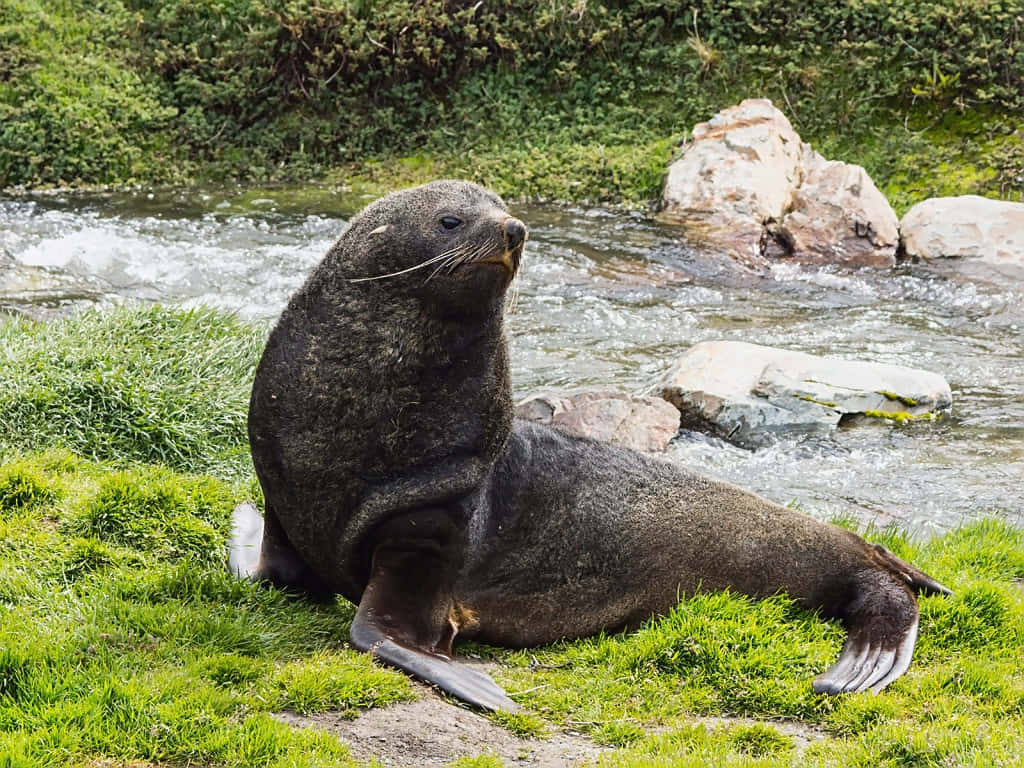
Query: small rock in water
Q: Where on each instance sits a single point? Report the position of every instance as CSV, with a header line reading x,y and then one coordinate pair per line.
x,y
642,423
753,395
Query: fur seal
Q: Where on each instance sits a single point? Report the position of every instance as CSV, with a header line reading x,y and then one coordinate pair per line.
x,y
394,474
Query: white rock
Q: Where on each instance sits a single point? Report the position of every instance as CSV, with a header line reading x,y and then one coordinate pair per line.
x,y
969,227
748,185
752,394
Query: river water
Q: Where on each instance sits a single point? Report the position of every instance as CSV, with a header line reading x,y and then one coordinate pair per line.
x,y
606,300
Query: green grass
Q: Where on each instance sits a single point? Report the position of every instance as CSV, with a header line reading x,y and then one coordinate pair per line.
x,y
126,384
119,637
123,637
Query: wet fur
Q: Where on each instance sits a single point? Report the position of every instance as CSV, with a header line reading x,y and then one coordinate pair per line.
x,y
382,433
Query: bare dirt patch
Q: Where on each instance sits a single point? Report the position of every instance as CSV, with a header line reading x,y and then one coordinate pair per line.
x,y
433,732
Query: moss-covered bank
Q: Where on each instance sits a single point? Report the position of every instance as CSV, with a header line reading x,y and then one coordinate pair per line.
x,y
123,638
567,99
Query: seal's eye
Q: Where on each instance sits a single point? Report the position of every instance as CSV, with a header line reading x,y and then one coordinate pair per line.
x,y
450,222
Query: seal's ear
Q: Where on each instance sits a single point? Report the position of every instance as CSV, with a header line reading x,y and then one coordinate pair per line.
x,y
381,229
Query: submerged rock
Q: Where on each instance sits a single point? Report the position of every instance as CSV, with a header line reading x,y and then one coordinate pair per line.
x,y
39,292
642,423
747,184
753,395
978,230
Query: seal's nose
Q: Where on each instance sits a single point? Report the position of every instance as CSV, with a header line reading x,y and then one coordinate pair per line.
x,y
515,233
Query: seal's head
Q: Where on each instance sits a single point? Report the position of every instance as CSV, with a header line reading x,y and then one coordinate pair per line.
x,y
451,243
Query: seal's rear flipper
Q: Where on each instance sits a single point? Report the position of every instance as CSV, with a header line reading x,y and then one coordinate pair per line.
x,y
868,662
919,581
881,617
259,551
460,681
246,537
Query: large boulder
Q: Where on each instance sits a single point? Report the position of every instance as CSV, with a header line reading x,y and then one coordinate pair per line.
x,y
753,395
748,185
838,216
642,423
738,171
975,229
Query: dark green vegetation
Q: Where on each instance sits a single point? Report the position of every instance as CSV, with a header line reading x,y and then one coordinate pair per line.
x,y
563,99
123,637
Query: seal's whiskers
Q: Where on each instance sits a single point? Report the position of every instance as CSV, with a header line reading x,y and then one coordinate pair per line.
x,y
513,301
455,256
457,260
427,263
477,253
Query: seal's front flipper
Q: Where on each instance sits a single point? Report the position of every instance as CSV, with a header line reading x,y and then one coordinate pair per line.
x,y
407,618
460,681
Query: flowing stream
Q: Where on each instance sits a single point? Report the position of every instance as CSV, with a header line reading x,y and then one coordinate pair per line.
x,y
606,300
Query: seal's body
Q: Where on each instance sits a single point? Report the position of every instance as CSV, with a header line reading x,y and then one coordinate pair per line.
x,y
382,434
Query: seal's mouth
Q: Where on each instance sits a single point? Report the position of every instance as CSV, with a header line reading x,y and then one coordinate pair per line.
x,y
507,259
515,235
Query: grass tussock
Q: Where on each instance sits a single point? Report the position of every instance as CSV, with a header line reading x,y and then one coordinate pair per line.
x,y
24,487
151,510
131,384
123,638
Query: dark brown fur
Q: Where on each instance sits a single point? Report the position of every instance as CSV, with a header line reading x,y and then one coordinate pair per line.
x,y
382,433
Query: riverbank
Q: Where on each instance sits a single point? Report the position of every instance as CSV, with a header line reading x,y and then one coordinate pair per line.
x,y
123,639
559,101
